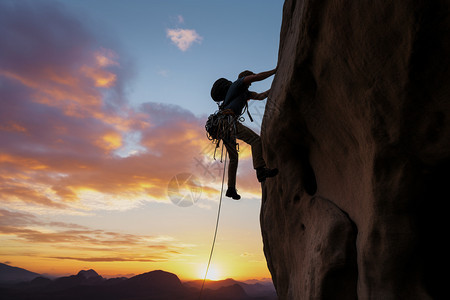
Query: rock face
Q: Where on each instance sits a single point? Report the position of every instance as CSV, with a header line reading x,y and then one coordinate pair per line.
x,y
358,123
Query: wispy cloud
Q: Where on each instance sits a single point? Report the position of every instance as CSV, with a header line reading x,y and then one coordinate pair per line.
x,y
63,238
23,219
163,72
183,38
108,259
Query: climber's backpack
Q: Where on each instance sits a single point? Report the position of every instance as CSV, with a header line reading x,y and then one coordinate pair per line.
x,y
219,89
218,93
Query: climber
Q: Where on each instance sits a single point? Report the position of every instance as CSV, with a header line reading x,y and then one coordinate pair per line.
x,y
236,99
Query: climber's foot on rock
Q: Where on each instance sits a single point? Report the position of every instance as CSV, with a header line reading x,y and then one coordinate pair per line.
x,y
263,173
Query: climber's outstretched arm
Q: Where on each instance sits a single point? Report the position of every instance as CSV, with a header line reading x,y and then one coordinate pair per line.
x,y
258,77
260,96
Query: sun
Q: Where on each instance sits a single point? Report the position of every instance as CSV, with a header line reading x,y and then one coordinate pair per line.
x,y
213,273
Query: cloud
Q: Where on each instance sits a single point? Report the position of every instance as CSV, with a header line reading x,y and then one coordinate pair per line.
x,y
183,38
163,73
63,118
108,259
59,240
70,139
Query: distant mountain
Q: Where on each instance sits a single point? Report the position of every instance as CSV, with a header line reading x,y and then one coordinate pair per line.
x,y
9,274
154,285
89,274
154,280
211,284
85,278
253,288
235,292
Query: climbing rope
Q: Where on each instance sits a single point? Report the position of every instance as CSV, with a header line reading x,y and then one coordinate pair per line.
x,y
221,126
217,226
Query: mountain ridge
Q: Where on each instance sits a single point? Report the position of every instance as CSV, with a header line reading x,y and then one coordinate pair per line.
x,y
15,274
153,285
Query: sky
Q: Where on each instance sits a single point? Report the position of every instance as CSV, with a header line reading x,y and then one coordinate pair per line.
x,y
104,161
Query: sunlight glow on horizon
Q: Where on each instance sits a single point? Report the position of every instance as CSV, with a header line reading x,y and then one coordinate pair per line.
x,y
213,273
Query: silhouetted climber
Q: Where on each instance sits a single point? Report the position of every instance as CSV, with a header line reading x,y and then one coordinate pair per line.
x,y
237,96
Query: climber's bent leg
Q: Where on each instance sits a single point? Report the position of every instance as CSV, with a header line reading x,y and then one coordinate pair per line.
x,y
250,137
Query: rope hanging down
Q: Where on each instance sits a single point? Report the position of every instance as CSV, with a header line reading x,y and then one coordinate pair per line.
x,y
217,226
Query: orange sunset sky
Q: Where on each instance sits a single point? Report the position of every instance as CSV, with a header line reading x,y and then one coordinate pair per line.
x,y
102,103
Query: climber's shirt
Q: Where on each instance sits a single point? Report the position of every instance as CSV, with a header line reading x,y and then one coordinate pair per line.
x,y
237,96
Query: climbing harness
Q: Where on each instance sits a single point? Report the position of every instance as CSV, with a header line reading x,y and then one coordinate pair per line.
x,y
222,126
217,226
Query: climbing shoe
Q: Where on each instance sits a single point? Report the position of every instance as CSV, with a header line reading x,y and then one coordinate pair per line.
x,y
263,173
231,192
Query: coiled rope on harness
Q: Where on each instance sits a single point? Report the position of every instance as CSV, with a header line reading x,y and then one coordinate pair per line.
x,y
221,126
215,231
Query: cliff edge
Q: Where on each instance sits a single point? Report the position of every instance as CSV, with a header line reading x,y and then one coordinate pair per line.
x,y
358,123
